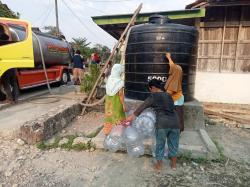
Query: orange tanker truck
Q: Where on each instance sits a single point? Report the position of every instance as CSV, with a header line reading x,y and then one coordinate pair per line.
x,y
25,53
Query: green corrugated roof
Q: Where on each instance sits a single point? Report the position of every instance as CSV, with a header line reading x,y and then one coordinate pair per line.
x,y
143,17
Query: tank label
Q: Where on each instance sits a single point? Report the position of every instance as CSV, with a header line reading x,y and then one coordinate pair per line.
x,y
162,78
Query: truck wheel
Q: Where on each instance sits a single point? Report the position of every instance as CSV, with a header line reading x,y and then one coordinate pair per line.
x,y
15,89
2,96
10,81
65,78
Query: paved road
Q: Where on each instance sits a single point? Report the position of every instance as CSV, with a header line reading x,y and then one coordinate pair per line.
x,y
34,92
34,104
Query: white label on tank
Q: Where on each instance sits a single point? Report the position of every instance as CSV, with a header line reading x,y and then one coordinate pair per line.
x,y
162,78
160,37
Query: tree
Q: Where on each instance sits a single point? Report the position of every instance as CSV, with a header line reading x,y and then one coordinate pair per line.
x,y
82,45
6,12
52,30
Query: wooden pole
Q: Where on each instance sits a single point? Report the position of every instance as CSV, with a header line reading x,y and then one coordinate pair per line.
x,y
117,46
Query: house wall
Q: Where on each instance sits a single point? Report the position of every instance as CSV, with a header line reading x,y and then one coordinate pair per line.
x,y
222,87
223,62
224,40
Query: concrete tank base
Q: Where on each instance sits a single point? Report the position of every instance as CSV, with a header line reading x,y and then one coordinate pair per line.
x,y
193,113
194,141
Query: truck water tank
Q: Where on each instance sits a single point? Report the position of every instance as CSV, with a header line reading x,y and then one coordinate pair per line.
x,y
56,51
145,55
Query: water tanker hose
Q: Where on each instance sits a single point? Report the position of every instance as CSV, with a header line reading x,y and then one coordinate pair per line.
x,y
46,76
43,62
94,104
48,85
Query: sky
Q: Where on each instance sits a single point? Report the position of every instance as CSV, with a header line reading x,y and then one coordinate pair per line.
x,y
79,23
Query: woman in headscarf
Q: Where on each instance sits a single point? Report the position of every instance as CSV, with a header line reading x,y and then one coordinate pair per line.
x,y
114,101
173,87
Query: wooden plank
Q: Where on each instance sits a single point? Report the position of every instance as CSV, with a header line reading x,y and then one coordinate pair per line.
x,y
226,116
225,41
224,57
229,50
220,24
238,39
243,65
223,36
227,65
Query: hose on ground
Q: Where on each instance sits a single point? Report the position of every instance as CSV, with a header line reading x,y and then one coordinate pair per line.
x,y
94,104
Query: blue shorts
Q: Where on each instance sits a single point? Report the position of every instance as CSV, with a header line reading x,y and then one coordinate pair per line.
x,y
172,136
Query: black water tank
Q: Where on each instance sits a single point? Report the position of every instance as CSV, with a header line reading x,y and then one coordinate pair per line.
x,y
145,55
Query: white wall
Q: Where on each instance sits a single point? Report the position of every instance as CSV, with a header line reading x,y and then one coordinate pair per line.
x,y
222,87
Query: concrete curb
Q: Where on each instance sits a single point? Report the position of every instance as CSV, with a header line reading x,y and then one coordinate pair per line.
x,y
49,124
213,152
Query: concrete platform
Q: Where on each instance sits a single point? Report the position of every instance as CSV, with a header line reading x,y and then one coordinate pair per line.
x,y
193,113
196,144
194,141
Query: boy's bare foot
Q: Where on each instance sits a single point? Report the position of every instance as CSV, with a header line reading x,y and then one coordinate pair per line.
x,y
173,163
158,165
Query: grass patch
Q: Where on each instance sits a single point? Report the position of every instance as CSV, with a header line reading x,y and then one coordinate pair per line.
x,y
222,158
41,145
68,146
45,146
187,157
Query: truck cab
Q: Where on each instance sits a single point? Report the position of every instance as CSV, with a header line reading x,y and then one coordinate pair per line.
x,y
14,53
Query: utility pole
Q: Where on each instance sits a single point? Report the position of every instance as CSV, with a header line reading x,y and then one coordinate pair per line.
x,y
57,22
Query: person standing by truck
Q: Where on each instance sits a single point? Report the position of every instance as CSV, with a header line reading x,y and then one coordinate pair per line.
x,y
173,87
8,86
78,67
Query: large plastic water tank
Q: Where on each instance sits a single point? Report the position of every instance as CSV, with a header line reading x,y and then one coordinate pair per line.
x,y
145,55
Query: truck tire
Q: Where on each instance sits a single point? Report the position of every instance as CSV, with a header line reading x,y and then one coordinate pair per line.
x,y
15,89
2,96
11,82
65,78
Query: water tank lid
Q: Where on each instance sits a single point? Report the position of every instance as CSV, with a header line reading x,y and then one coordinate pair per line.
x,y
158,19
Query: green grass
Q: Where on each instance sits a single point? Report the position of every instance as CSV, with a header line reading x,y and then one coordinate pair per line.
x,y
67,146
44,146
187,157
222,158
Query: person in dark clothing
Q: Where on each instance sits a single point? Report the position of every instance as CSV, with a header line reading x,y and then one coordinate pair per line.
x,y
167,122
8,84
78,67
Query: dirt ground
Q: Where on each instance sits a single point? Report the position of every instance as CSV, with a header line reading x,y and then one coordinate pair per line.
x,y
27,166
234,141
